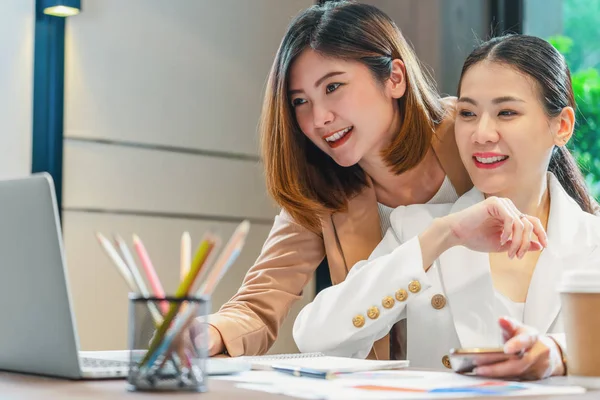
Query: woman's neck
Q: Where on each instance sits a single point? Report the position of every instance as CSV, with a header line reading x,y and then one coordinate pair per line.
x,y
532,198
416,186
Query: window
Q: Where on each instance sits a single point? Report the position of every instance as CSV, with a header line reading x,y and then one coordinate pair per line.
x,y
573,27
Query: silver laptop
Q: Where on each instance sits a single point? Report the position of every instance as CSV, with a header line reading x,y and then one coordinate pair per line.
x,y
38,333
37,325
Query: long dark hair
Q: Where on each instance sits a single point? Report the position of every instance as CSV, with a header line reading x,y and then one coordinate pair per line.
x,y
300,177
539,60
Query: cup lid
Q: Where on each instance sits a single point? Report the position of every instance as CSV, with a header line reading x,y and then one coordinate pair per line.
x,y
580,281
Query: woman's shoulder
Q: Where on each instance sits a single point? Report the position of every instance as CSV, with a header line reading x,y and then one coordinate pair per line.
x,y
586,239
449,104
445,127
446,150
570,227
284,223
590,223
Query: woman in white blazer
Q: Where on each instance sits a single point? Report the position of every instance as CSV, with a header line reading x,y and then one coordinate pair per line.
x,y
453,270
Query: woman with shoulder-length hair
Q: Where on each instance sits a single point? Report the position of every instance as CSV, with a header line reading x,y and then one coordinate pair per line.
x,y
352,126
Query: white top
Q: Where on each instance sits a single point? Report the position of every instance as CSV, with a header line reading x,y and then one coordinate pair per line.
x,y
446,194
509,308
391,285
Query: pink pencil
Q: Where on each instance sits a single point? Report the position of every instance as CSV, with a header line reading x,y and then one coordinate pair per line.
x,y
150,272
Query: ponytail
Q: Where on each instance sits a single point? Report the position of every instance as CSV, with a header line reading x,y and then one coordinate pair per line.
x,y
564,167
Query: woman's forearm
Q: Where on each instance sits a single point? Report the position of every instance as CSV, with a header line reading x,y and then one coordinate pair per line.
x,y
435,240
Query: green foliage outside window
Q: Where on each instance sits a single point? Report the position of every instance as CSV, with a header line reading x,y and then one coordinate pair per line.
x,y
580,44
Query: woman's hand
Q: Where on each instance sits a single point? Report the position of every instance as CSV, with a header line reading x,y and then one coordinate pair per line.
x,y
541,355
215,342
496,225
190,339
492,226
194,333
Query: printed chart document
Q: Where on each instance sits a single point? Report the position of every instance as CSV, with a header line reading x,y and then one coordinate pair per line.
x,y
392,384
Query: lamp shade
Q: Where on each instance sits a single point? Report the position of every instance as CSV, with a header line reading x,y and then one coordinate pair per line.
x,y
61,8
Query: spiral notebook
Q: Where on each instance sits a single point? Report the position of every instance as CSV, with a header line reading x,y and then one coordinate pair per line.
x,y
321,362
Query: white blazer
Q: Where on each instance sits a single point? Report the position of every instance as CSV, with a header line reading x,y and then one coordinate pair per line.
x,y
346,319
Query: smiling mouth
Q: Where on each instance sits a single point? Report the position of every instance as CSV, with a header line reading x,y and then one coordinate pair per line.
x,y
339,135
490,160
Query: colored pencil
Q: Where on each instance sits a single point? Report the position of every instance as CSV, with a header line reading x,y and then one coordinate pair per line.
x,y
137,277
213,275
199,259
117,261
186,255
153,279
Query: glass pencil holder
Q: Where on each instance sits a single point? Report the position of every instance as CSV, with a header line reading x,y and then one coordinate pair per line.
x,y
168,344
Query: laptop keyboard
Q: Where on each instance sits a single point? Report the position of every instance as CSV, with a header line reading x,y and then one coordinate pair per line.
x,y
88,362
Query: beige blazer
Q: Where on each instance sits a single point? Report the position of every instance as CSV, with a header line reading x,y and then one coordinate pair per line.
x,y
250,321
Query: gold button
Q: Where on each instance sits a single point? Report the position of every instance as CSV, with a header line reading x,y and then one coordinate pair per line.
x,y
446,362
388,302
373,312
358,321
438,301
401,295
414,287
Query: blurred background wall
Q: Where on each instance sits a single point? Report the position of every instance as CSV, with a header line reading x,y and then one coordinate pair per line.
x,y
16,72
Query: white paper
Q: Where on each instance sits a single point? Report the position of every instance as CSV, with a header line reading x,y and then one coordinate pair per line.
x,y
390,385
322,363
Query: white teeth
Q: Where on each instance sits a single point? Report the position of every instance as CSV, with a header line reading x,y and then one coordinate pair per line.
x,y
338,135
490,160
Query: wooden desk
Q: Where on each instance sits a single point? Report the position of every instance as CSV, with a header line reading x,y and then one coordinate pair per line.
x,y
17,387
